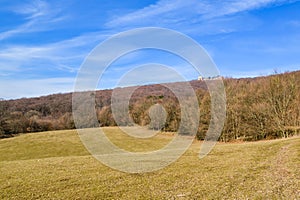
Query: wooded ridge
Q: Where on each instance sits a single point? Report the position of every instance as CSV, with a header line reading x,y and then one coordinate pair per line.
x,y
257,108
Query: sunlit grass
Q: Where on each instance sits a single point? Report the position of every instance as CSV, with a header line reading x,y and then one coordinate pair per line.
x,y
55,165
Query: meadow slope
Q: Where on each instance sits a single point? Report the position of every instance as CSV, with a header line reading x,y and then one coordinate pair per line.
x,y
55,165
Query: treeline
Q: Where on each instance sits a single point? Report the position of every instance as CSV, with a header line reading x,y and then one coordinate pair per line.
x,y
262,108
257,108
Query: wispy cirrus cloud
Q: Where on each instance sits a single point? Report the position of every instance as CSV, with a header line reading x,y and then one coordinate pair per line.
x,y
38,15
181,12
43,40
65,55
32,10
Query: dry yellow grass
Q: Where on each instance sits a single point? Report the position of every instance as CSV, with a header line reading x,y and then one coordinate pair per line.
x,y
55,165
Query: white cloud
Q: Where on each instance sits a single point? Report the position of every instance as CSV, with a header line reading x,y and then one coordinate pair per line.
x,y
39,16
200,17
181,12
64,55
34,9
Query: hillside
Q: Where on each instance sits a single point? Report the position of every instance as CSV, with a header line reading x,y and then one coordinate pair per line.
x,y
55,165
257,108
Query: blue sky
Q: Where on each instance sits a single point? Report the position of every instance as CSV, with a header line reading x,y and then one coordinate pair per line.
x,y
43,43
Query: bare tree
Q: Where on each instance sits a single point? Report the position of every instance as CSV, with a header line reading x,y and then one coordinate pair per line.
x,y
280,96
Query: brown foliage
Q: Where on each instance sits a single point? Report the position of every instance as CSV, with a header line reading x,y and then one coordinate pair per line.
x,y
257,108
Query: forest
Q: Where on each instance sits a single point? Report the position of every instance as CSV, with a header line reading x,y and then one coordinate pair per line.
x,y
257,108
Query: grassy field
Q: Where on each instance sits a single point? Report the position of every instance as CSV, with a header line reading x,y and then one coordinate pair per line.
x,y
55,165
